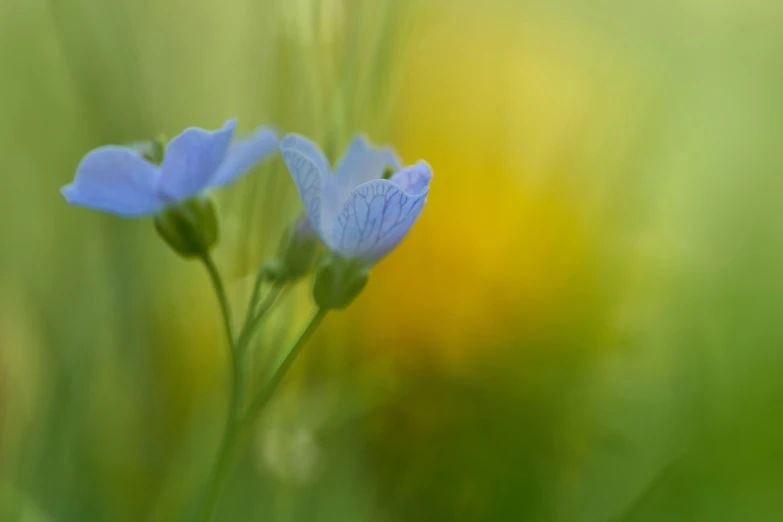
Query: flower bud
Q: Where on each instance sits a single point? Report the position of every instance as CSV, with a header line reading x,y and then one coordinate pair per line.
x,y
273,270
296,255
190,228
338,281
301,247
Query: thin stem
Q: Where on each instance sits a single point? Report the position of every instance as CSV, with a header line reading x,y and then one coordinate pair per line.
x,y
268,390
254,317
220,469
236,370
229,432
267,303
251,307
248,329
220,290
236,426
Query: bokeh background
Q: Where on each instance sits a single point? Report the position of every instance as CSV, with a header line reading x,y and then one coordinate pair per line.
x,y
584,325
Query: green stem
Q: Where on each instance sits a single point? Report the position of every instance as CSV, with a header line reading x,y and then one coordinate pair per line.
x,y
235,424
220,469
266,304
251,307
254,317
229,432
268,390
220,290
236,370
248,329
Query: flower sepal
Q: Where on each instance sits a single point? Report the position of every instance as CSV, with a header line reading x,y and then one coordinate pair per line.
x,y
190,227
338,281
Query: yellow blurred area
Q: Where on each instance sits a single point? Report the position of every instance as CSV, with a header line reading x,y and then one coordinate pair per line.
x,y
505,105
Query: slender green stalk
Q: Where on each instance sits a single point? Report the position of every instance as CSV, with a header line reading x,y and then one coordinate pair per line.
x,y
248,329
236,369
267,303
255,313
251,306
219,470
235,424
268,390
220,290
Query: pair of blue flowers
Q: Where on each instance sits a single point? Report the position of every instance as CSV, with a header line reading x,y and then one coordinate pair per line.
x,y
355,211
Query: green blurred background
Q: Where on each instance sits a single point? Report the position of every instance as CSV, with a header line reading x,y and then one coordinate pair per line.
x,y
583,325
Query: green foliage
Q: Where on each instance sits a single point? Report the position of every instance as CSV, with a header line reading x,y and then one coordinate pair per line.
x,y
654,398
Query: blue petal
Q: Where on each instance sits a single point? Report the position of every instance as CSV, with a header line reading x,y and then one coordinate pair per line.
x,y
192,160
375,218
244,154
414,179
363,162
315,184
116,180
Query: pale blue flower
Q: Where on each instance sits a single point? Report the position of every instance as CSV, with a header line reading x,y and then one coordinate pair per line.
x,y
119,180
356,212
